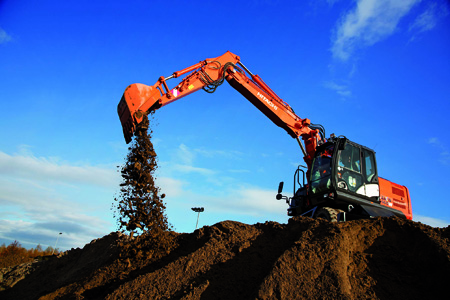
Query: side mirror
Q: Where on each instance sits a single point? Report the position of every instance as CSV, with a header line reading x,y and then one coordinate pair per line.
x,y
280,187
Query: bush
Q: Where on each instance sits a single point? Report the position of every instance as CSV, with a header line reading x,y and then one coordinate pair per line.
x,y
14,254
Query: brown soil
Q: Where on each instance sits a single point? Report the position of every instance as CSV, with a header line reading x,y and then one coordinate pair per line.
x,y
383,258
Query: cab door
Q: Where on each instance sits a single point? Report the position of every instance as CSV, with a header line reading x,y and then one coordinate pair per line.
x,y
320,180
371,185
356,171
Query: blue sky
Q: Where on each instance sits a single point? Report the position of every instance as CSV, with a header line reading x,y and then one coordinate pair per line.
x,y
374,71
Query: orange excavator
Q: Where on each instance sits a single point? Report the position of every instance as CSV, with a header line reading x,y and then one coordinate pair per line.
x,y
342,181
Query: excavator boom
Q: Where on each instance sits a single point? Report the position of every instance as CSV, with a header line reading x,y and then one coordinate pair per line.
x,y
139,99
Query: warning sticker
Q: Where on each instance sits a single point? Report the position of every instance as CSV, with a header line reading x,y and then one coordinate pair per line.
x,y
386,201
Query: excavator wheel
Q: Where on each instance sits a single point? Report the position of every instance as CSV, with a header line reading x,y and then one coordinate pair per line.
x,y
328,213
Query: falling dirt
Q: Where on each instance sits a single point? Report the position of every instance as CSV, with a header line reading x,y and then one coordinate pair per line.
x,y
140,210
139,206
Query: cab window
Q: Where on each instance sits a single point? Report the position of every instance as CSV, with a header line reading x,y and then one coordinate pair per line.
x,y
349,174
350,158
369,160
321,171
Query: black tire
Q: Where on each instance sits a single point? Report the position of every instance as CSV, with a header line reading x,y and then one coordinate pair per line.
x,y
327,213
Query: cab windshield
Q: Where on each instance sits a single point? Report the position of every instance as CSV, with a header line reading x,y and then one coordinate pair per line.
x,y
350,158
349,172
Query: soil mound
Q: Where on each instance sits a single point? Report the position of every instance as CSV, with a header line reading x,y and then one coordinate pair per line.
x,y
383,258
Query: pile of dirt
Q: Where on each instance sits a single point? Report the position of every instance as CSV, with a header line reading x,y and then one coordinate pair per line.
x,y
383,258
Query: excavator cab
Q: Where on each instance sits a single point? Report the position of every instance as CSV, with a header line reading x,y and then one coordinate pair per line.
x,y
356,171
343,172
345,166
344,179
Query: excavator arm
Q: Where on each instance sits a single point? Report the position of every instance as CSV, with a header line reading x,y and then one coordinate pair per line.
x,y
140,99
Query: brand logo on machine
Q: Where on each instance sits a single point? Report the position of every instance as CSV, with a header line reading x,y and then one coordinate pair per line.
x,y
267,101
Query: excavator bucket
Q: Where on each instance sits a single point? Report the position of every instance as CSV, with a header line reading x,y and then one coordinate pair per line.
x,y
131,107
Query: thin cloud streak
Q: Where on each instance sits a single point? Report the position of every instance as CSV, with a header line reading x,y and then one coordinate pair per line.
x,y
40,197
4,37
341,90
44,169
433,222
368,23
428,20
192,169
444,155
30,234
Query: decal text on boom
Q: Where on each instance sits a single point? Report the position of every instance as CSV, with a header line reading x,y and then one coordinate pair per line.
x,y
267,101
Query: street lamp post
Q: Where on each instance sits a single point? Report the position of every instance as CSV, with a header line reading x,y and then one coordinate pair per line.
x,y
56,243
197,210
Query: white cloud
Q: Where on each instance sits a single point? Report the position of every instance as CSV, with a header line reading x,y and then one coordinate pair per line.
x,y
35,218
444,155
192,169
425,21
238,171
4,37
368,23
230,154
170,186
223,199
42,196
431,221
50,169
332,2
30,234
434,141
341,90
260,201
222,196
243,201
185,155
428,19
